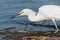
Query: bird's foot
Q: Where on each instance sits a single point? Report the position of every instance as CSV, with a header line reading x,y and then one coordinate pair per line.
x,y
54,34
56,31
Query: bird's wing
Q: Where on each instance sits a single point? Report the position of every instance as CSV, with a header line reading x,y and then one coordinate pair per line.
x,y
50,11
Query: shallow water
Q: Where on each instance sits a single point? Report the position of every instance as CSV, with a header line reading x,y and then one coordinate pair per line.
x,y
9,8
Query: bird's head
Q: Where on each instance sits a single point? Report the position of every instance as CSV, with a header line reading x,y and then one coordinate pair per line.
x,y
21,13
25,12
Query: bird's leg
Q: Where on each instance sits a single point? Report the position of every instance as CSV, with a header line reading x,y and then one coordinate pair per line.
x,y
55,26
43,22
27,23
48,22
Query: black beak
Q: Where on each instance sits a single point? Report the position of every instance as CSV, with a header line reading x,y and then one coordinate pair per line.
x,y
14,16
18,14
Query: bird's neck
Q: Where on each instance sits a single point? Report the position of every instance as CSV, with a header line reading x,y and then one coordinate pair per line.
x,y
33,17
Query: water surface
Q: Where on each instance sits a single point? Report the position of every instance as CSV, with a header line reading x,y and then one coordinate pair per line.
x,y
8,8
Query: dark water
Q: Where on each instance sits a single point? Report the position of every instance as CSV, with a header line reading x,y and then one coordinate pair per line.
x,y
9,8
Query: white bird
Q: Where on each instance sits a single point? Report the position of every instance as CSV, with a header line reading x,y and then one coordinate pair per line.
x,y
46,12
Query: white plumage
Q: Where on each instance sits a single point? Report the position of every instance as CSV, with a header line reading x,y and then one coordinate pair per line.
x,y
51,11
46,12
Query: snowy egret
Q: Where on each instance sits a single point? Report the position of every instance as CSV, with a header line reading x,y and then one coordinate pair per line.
x,y
46,12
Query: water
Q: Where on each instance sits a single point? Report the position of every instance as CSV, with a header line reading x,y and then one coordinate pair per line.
x,y
8,8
